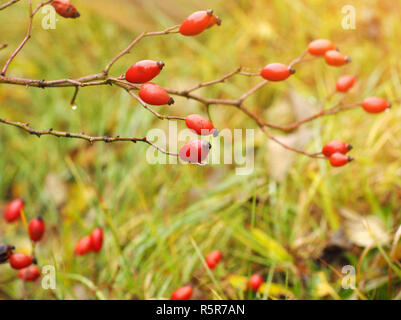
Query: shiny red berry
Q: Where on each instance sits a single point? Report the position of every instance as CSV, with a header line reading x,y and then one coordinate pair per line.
x,y
196,23
96,239
154,94
195,151
320,46
345,83
143,71
255,282
276,72
213,258
29,274
36,229
336,58
13,210
338,159
200,125
20,260
375,104
83,246
183,293
213,20
336,146
65,8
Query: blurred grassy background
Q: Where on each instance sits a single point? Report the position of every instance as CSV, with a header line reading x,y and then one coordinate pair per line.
x,y
278,221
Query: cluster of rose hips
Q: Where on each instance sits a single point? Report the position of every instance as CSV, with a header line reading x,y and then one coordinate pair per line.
x,y
36,229
20,261
212,260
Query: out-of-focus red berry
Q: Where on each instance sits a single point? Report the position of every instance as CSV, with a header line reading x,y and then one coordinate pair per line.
x,y
36,229
13,210
213,258
183,293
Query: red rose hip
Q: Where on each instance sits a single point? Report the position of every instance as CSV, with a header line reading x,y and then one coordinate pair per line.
x,y
83,246
320,46
196,23
183,293
65,8
255,282
36,229
338,159
143,71
29,274
375,104
154,94
13,210
336,58
96,239
195,151
345,83
20,260
200,125
336,146
276,72
213,258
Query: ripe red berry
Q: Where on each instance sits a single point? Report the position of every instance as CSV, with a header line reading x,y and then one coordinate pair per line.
x,y
20,260
320,46
183,293
336,58
195,151
276,72
65,8
196,23
338,159
13,210
213,20
29,274
345,83
336,146
96,239
375,104
154,94
213,258
143,71
36,229
255,282
83,246
200,125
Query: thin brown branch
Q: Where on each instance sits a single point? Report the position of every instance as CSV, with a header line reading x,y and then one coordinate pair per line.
x,y
83,136
27,36
134,42
7,4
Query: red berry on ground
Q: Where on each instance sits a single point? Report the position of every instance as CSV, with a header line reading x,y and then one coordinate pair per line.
x,y
20,260
143,71
83,246
195,151
200,125
196,23
213,258
13,210
276,72
336,58
65,8
335,146
345,83
29,274
36,229
183,293
96,239
375,104
320,46
255,282
154,94
338,159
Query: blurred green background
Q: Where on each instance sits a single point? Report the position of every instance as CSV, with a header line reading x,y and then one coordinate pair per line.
x,y
159,219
